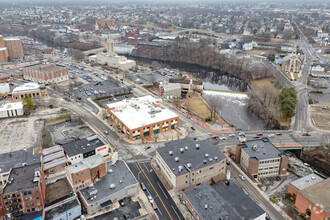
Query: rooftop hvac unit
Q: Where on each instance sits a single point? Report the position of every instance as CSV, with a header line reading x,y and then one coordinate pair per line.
x,y
112,186
176,159
180,168
211,159
204,161
215,158
186,148
171,153
181,149
197,146
189,165
206,155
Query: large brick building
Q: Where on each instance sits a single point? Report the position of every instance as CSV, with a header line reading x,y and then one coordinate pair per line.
x,y
32,90
14,47
24,191
141,117
313,201
46,73
3,51
260,158
187,163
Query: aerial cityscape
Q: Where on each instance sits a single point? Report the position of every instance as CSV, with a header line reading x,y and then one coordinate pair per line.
x,y
164,110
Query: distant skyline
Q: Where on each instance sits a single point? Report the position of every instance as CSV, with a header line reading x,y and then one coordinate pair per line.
x,y
164,1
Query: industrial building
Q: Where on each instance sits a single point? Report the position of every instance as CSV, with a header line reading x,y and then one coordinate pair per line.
x,y
260,158
12,109
46,73
187,163
141,117
221,201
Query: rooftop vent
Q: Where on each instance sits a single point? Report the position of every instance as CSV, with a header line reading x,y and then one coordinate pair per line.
x,y
189,165
313,178
186,148
182,150
88,145
215,158
170,153
204,161
205,206
120,181
211,159
112,186
180,168
197,146
206,155
176,159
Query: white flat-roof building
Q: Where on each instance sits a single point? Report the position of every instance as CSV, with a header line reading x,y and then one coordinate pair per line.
x,y
11,109
143,116
33,90
4,88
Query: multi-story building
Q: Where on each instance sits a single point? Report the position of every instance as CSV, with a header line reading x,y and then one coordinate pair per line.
x,y
54,161
313,202
302,183
86,147
187,163
170,91
142,117
46,73
11,109
86,172
260,158
221,201
188,85
32,90
117,184
14,47
16,159
24,191
3,51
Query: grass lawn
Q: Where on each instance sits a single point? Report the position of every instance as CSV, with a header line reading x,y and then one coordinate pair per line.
x,y
195,104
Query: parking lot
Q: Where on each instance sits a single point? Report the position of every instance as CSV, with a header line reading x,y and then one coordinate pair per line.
x,y
147,76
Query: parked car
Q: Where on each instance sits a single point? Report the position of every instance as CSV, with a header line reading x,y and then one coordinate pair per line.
x,y
228,162
147,148
260,134
154,206
151,200
232,135
215,136
192,128
241,134
278,134
271,135
105,132
223,138
241,177
143,186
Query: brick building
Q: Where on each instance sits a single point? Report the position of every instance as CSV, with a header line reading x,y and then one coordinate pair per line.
x,y
3,51
141,117
260,158
46,73
187,163
14,47
313,202
302,183
24,191
32,90
86,172
4,77
152,49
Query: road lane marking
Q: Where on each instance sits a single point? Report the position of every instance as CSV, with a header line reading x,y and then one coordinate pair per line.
x,y
175,212
155,192
162,190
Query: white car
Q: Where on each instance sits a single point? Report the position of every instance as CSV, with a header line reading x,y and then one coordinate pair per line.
x,y
232,135
241,177
151,200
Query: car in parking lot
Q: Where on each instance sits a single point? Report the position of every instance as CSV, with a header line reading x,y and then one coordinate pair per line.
x,y
260,134
147,148
232,135
223,138
278,134
192,128
241,134
228,162
271,135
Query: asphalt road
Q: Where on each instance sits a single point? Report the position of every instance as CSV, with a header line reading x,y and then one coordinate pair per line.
x,y
254,193
167,209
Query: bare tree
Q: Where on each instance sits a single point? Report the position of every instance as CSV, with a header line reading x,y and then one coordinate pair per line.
x,y
215,105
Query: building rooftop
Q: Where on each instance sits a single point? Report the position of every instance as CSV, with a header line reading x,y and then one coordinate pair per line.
x,y
22,178
58,210
11,106
58,191
17,159
261,149
319,193
83,145
139,112
11,38
118,177
45,67
197,154
172,86
222,201
89,162
184,81
306,181
26,87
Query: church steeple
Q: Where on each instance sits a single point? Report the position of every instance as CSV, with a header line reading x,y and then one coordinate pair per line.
x,y
110,46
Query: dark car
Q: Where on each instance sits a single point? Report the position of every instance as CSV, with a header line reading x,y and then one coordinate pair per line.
x,y
148,147
192,128
228,162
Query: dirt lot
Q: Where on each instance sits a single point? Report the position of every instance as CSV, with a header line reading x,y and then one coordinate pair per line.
x,y
195,104
320,117
20,133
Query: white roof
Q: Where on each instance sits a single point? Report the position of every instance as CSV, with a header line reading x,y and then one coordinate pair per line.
x,y
26,87
3,48
306,181
11,106
11,38
172,86
136,112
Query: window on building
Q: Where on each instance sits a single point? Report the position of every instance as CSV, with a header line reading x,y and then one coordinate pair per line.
x,y
25,193
26,199
37,198
192,179
30,197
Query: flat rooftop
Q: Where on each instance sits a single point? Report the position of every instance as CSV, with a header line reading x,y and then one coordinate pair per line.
x,y
306,181
261,149
17,158
58,191
118,174
11,106
26,87
45,67
89,162
222,201
319,193
139,112
83,145
58,210
21,178
196,157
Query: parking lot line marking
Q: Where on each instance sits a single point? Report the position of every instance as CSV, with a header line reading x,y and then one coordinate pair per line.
x,y
162,190
156,192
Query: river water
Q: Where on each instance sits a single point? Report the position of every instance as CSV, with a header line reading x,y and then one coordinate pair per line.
x,y
234,107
